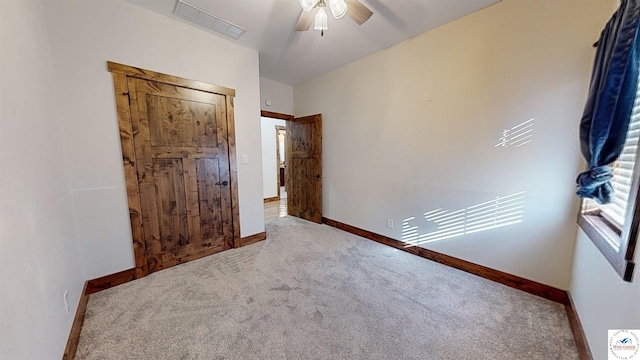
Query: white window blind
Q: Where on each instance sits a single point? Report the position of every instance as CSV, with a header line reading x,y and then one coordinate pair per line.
x,y
615,212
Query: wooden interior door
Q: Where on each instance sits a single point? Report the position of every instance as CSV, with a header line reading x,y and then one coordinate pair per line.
x,y
182,156
304,168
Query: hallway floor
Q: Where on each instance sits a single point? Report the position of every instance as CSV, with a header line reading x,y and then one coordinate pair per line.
x,y
275,209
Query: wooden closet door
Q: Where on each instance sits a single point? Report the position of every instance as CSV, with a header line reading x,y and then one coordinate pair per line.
x,y
182,156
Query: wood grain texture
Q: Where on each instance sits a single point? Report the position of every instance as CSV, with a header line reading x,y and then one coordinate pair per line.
x,y
145,176
209,196
532,287
228,219
76,327
109,281
304,167
167,260
358,12
170,129
167,79
275,198
578,332
127,133
305,20
171,202
233,171
253,239
193,201
193,123
175,130
275,115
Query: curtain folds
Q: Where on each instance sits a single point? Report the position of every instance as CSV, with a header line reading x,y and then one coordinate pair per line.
x,y
605,121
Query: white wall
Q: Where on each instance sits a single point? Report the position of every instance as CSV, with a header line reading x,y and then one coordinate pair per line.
x,y
281,96
269,162
39,257
413,128
603,301
85,35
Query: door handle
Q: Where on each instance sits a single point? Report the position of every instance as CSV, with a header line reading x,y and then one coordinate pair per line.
x,y
224,183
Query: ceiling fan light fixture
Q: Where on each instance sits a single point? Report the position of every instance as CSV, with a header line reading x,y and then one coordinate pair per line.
x,y
338,8
307,5
321,20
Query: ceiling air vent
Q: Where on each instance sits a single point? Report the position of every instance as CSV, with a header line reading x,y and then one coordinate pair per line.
x,y
200,17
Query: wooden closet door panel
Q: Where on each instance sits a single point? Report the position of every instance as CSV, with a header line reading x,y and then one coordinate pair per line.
x,y
182,152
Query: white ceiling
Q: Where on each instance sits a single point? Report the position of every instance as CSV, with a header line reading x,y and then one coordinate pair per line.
x,y
291,57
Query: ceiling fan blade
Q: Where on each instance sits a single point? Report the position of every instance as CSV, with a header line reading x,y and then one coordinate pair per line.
x,y
358,12
304,21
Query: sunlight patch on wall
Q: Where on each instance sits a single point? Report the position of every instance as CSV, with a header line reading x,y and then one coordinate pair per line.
x,y
502,211
517,136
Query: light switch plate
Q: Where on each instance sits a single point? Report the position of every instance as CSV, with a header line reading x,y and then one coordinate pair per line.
x,y
245,159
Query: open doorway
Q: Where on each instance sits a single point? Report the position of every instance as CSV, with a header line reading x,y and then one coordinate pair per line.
x,y
281,133
273,158
274,171
295,162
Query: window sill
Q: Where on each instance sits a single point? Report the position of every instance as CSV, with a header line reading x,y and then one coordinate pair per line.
x,y
608,242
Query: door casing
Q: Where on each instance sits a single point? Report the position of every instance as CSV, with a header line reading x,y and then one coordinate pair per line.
x,y
288,177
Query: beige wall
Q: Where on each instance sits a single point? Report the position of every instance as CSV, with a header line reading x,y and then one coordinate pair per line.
x,y
281,96
413,128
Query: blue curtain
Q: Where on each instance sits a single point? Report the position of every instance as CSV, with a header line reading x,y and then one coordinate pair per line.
x,y
604,124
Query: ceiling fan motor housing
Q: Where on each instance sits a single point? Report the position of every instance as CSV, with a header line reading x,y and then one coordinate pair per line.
x,y
339,8
307,5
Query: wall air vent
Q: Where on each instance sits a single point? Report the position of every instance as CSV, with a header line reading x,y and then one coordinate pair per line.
x,y
209,21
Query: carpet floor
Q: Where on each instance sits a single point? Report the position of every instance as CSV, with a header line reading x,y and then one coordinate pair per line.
x,y
314,292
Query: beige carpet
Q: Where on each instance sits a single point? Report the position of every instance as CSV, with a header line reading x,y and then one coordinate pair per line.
x,y
314,292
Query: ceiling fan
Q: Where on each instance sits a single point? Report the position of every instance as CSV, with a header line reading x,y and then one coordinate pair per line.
x,y
352,8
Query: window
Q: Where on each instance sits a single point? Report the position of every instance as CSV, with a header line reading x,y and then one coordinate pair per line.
x,y
614,227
